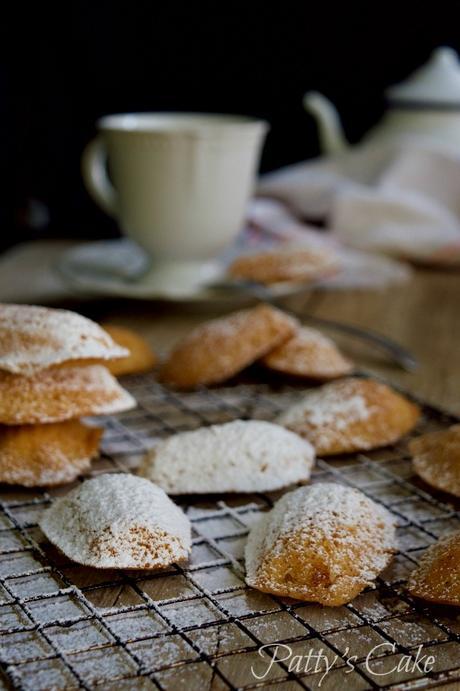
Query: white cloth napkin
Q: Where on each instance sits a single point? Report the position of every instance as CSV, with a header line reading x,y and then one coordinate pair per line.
x,y
400,197
271,224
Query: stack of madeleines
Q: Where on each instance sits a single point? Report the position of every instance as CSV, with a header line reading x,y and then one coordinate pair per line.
x,y
52,373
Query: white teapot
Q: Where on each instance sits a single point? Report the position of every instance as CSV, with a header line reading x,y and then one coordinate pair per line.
x,y
427,105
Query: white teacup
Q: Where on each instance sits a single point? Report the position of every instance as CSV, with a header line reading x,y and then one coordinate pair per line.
x,y
181,182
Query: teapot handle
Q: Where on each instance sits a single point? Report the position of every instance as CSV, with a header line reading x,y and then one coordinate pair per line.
x,y
331,136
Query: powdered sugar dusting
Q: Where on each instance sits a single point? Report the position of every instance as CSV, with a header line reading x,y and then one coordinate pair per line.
x,y
337,539
64,470
230,326
309,353
285,264
118,521
351,414
309,335
239,456
330,404
59,394
220,348
33,338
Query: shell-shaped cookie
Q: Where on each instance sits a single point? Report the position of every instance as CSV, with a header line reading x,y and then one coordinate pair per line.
x,y
119,522
308,354
60,393
294,264
238,456
219,349
436,459
33,338
437,576
321,543
39,455
141,358
351,415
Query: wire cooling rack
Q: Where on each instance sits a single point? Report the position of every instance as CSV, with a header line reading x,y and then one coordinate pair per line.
x,y
200,627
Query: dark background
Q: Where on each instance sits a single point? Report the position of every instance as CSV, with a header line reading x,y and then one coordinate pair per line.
x,y
75,61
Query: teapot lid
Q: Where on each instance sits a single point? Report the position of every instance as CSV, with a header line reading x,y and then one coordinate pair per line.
x,y
437,83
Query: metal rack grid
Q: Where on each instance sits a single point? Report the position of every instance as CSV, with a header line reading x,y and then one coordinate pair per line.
x,y
200,627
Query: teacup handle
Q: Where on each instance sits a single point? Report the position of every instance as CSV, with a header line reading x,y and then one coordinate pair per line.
x,y
95,176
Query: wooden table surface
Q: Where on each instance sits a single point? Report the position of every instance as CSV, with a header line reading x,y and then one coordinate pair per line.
x,y
423,315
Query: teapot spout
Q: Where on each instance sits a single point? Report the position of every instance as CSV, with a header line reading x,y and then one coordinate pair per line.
x,y
331,137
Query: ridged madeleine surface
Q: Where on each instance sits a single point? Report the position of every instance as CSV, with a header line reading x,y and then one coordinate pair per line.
x,y
44,455
34,338
219,349
437,576
321,543
351,415
310,354
118,521
436,459
60,393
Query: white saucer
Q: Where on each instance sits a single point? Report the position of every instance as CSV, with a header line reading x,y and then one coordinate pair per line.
x,y
119,268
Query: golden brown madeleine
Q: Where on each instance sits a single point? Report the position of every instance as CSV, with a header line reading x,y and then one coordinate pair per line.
x,y
436,459
60,393
308,354
118,521
219,349
437,576
291,264
35,338
322,543
141,357
38,455
351,415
